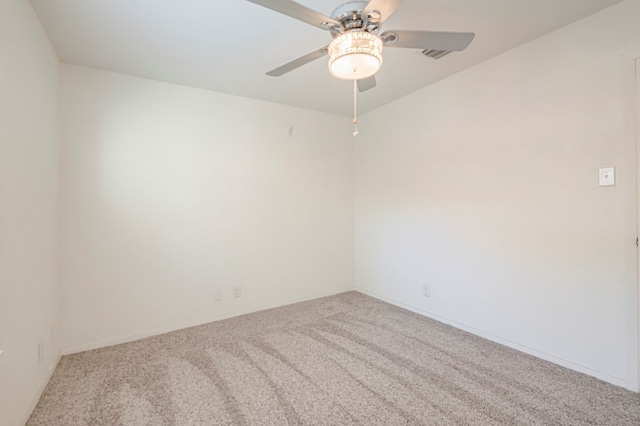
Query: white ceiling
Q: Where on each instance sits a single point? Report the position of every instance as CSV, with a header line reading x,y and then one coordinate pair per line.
x,y
228,45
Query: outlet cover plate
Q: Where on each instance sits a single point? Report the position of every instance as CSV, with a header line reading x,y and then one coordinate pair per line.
x,y
237,291
426,290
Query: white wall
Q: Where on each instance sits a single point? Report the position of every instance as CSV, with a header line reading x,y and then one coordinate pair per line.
x,y
169,192
485,187
28,209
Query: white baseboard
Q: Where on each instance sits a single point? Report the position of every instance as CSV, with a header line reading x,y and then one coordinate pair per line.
x,y
38,393
186,324
522,348
526,349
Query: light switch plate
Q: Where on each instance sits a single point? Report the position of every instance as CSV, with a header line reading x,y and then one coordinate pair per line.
x,y
607,176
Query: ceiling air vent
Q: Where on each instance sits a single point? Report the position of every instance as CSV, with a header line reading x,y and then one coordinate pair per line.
x,y
435,54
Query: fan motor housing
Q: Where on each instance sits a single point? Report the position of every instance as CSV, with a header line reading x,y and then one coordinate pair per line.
x,y
351,18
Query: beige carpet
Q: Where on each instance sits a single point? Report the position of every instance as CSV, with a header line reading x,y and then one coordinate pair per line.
x,y
341,360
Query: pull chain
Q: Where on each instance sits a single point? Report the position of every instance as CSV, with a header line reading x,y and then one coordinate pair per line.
x,y
355,106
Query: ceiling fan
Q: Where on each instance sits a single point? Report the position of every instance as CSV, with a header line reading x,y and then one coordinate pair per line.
x,y
355,53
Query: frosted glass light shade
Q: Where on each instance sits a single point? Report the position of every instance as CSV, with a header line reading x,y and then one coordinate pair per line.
x,y
355,55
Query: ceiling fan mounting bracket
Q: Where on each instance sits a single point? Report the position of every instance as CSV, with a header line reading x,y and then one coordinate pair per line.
x,y
389,38
374,16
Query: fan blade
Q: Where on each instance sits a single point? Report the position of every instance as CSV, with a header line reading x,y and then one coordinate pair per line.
x,y
298,11
438,40
367,83
385,7
296,63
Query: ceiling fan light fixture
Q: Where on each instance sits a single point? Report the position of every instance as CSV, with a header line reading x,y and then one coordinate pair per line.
x,y
355,55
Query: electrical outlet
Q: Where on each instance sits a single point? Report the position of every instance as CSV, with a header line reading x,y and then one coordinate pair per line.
x,y
217,295
426,290
237,291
